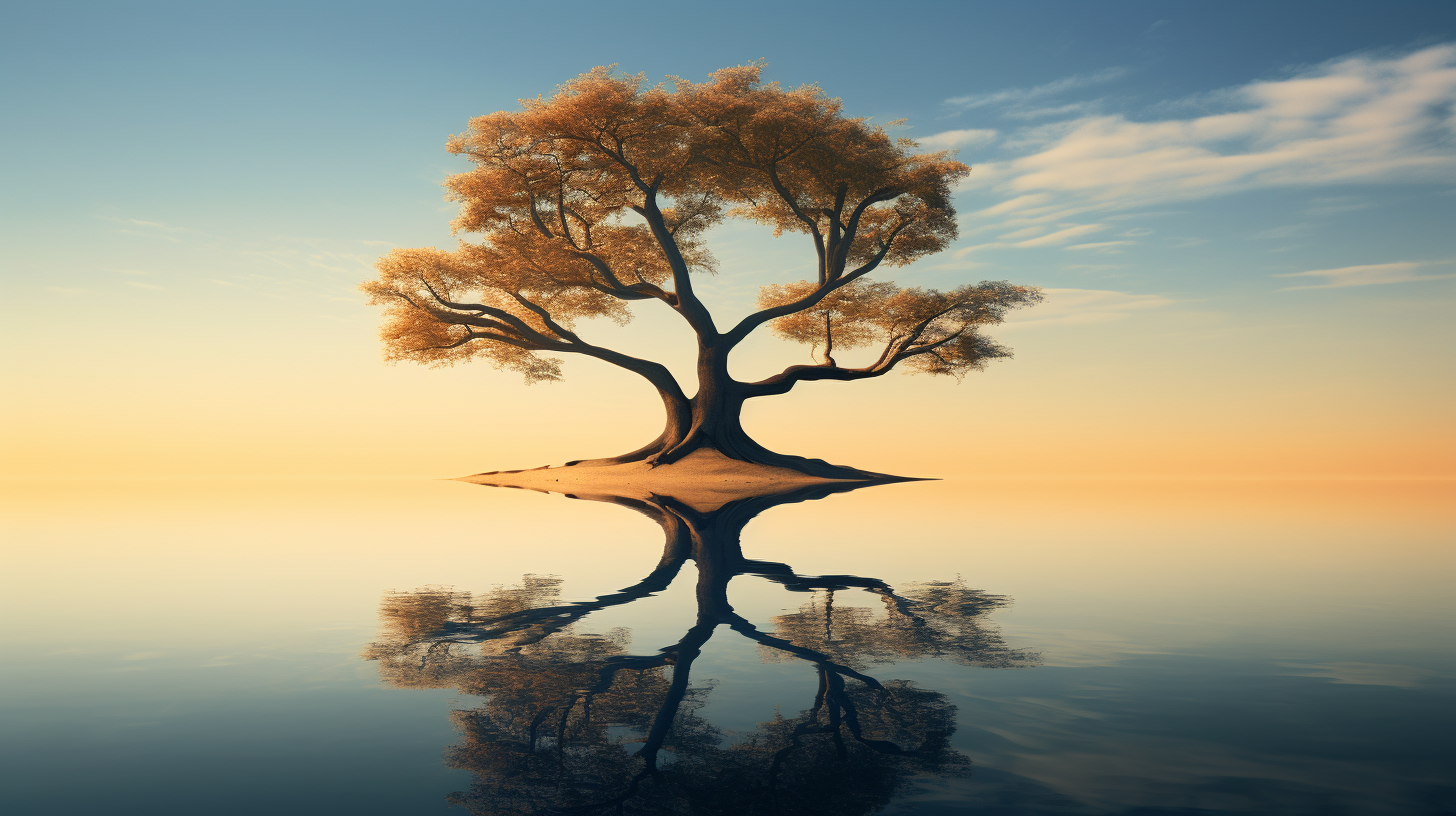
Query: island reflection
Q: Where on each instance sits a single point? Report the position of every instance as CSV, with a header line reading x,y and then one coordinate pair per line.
x,y
573,723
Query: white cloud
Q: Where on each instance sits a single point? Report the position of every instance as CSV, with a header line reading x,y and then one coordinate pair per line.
x,y
140,285
1025,232
156,225
1014,204
1367,275
1359,119
1285,232
1061,236
1102,246
952,139
1069,109
1086,306
1017,96
1331,205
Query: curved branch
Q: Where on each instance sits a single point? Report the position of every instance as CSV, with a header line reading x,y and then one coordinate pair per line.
x,y
788,198
615,286
894,354
561,331
840,254
520,326
688,305
532,340
753,321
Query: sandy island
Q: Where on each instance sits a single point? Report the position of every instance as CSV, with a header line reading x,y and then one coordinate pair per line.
x,y
704,480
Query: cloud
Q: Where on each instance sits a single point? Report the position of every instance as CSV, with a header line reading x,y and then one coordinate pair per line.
x,y
1285,232
1361,119
155,225
1020,96
1331,205
1180,242
1367,275
952,139
1061,236
1086,306
140,285
1102,246
1069,109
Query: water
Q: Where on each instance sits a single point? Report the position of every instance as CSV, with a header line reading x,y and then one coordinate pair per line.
x,y
1078,648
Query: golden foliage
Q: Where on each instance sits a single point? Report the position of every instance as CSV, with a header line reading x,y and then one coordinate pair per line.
x,y
601,194
929,331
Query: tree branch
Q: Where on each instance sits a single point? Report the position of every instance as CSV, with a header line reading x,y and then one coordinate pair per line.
x,y
615,286
840,254
753,321
688,305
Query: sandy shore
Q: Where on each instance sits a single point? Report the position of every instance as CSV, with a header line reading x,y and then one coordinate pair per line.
x,y
704,480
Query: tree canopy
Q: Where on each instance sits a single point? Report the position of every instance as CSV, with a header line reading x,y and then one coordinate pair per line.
x,y
601,196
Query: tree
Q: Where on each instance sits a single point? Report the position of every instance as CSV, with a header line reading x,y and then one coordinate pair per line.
x,y
601,196
573,723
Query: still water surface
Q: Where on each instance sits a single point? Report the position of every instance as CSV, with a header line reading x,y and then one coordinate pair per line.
x,y
934,648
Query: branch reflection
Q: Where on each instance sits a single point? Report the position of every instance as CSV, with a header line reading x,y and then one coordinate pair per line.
x,y
574,723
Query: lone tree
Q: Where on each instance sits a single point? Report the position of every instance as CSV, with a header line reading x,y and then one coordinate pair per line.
x,y
601,196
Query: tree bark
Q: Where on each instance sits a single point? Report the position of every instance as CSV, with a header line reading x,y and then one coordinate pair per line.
x,y
712,419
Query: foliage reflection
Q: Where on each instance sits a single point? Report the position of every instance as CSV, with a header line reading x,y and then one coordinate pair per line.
x,y
572,722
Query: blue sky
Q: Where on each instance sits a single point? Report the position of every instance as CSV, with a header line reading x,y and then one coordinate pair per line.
x,y
196,188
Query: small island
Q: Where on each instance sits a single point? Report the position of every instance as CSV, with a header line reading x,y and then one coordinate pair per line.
x,y
704,480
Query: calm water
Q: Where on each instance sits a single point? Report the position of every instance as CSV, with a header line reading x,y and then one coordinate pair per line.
x,y
933,648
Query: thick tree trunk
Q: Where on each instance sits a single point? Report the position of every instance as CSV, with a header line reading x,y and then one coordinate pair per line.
x,y
716,423
712,419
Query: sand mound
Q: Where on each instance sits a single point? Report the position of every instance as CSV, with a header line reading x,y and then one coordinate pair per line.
x,y
704,480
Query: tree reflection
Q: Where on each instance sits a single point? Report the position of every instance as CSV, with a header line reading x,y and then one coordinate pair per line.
x,y
574,723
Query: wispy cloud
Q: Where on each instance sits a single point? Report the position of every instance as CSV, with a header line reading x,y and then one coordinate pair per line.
x,y
952,139
1103,246
154,226
1061,236
1066,234
1367,275
1087,306
140,285
1021,96
1332,205
1285,232
1359,119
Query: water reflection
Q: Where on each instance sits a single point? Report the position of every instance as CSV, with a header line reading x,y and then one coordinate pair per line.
x,y
573,722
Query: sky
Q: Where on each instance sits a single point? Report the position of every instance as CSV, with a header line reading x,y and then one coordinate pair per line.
x,y
1239,212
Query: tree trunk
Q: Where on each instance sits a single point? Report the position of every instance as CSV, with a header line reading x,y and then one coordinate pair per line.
x,y
712,419
716,423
